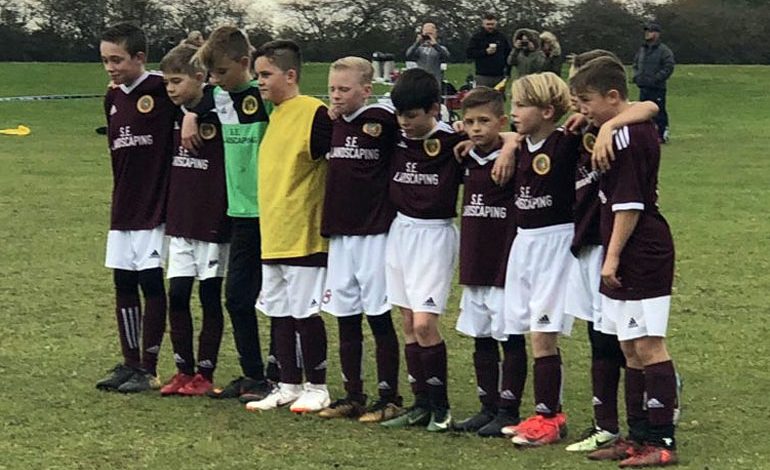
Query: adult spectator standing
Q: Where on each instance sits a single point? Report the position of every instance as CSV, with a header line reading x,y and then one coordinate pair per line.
x,y
551,48
526,55
489,48
653,65
427,52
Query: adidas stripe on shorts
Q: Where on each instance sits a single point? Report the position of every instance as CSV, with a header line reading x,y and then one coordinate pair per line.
x,y
196,258
419,262
136,250
536,280
355,276
291,291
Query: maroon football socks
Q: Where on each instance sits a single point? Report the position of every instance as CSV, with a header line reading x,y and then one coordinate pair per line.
x,y
547,372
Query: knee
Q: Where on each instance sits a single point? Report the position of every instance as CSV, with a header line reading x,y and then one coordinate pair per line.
x,y
424,331
651,350
544,344
126,282
381,325
151,281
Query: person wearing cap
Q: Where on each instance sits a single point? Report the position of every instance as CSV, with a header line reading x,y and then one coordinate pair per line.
x,y
653,65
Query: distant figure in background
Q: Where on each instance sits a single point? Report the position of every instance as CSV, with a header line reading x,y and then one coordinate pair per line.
x,y
653,64
489,48
526,55
427,52
551,48
194,38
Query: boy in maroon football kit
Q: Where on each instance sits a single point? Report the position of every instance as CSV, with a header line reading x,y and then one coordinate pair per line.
x,y
583,299
540,257
422,242
140,118
486,231
637,272
199,229
357,216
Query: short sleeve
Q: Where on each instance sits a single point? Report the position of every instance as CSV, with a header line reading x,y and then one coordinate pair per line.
x,y
628,191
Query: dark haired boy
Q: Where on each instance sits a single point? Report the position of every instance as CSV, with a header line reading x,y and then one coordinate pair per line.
x,y
637,271
198,228
244,118
487,229
292,175
139,120
422,243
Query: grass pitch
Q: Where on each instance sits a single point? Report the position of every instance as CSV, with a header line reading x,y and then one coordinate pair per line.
x,y
57,329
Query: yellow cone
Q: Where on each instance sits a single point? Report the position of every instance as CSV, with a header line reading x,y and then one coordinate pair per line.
x,y
20,131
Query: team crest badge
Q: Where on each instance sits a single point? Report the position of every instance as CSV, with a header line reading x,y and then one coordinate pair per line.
x,y
250,105
541,164
374,129
145,104
588,142
207,130
432,147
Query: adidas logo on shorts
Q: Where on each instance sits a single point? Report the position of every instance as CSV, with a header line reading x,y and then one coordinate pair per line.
x,y
429,302
632,323
544,320
313,303
154,254
213,263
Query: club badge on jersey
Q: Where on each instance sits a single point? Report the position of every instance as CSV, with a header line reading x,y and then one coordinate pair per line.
x,y
589,140
432,147
541,164
249,105
207,131
145,104
374,129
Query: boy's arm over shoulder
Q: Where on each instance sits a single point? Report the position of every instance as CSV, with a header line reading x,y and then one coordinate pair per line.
x,y
206,103
321,133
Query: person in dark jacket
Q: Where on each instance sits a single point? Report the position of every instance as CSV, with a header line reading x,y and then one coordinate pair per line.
x,y
489,48
653,64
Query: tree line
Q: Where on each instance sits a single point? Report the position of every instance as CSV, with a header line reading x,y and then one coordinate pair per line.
x,y
698,31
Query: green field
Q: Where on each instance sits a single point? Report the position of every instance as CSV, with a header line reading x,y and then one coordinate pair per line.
x,y
57,328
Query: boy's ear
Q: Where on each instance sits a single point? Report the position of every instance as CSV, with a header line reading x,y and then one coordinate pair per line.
x,y
503,120
245,62
614,95
548,112
435,110
291,74
141,56
200,76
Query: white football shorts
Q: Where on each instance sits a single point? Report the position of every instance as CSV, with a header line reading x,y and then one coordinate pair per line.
x,y
355,277
136,250
419,263
635,319
482,312
195,258
291,291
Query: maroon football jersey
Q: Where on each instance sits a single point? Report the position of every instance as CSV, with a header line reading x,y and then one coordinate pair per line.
x,y
197,195
646,267
426,176
586,196
140,119
545,180
356,200
487,226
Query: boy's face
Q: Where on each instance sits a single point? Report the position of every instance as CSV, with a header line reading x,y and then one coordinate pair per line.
x,y
274,84
528,119
230,74
183,89
346,91
122,67
483,126
417,122
598,108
